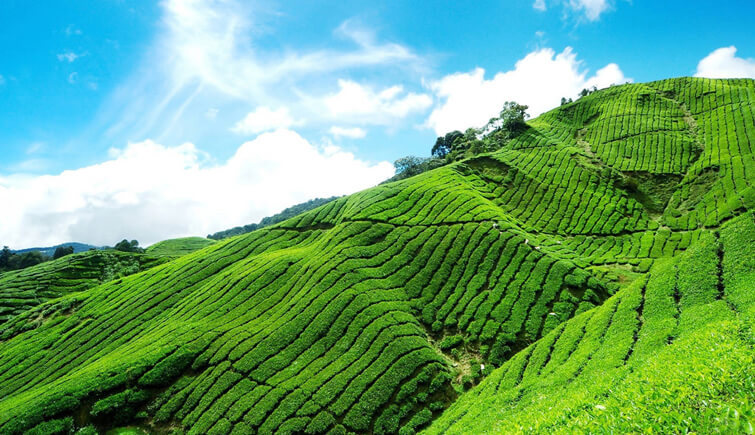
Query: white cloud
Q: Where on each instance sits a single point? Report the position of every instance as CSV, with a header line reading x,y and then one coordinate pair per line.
x,y
264,119
69,56
150,192
73,77
351,133
360,103
723,63
591,8
539,80
206,55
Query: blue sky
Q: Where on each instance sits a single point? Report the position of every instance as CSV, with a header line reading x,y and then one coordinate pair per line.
x,y
95,94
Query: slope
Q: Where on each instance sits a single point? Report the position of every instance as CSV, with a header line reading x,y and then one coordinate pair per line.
x,y
178,247
24,289
671,353
674,350
374,312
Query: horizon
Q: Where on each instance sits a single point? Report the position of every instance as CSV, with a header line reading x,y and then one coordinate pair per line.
x,y
182,118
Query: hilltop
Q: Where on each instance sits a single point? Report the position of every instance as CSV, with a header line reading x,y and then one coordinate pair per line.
x,y
594,272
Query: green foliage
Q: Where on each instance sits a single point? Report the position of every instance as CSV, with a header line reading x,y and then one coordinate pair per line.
x,y
126,246
177,247
26,291
62,251
570,267
14,261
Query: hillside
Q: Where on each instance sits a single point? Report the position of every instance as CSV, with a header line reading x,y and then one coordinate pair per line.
x,y
24,289
608,243
178,247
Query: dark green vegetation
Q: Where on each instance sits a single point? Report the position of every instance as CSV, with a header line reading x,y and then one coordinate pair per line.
x,y
596,273
50,250
178,247
454,146
288,213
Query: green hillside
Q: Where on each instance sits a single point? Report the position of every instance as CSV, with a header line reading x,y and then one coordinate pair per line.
x,y
593,274
24,289
178,247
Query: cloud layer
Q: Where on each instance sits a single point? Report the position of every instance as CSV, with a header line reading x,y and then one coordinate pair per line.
x,y
151,192
723,63
539,80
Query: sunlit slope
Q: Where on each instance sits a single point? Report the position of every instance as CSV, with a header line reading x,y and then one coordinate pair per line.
x,y
673,352
373,312
173,248
297,329
24,289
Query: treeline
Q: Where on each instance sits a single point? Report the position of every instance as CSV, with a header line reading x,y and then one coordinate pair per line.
x,y
288,213
454,146
10,260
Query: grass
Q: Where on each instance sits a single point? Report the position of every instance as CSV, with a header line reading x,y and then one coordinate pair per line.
x,y
551,286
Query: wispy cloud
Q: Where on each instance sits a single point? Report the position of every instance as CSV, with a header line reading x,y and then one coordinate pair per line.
x,y
590,10
69,56
206,56
363,104
72,30
351,133
35,148
264,119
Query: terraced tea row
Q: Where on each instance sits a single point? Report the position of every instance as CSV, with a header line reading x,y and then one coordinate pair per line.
x,y
24,289
671,351
313,328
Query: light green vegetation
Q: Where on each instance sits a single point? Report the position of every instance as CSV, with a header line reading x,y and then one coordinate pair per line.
x,y
594,274
178,247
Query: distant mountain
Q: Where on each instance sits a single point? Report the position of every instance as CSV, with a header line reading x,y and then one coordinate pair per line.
x,y
288,213
77,247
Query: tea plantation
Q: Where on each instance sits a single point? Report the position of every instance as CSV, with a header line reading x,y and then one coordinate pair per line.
x,y
173,248
596,274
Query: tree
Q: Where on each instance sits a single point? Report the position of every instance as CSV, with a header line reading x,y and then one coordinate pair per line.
x,y
126,246
445,144
409,166
511,120
62,251
5,256
26,259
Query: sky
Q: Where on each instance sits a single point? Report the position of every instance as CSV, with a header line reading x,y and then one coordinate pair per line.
x,y
152,120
